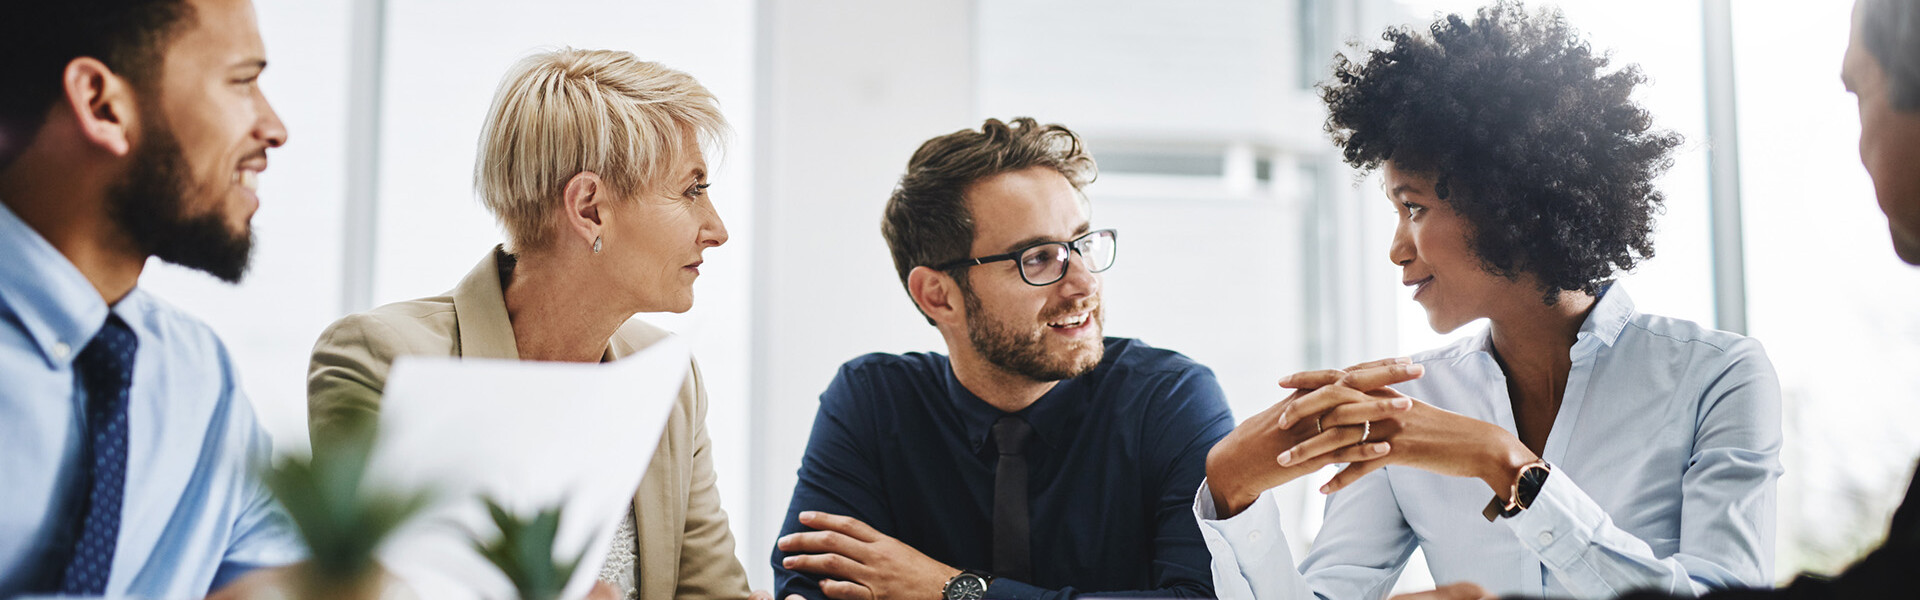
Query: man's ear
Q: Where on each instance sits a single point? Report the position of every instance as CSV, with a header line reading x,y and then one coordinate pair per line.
x,y
102,103
582,203
937,294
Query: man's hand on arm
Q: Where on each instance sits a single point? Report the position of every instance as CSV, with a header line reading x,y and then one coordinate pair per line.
x,y
856,562
1318,425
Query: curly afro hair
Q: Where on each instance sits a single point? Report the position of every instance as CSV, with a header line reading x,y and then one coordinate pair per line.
x,y
1529,137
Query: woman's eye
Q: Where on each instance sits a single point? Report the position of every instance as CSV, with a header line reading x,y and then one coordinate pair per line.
x,y
1412,208
698,190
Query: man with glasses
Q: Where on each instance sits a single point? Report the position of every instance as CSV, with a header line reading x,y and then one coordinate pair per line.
x,y
1039,460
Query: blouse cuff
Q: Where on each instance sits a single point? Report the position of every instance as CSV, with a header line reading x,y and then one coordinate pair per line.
x,y
1560,524
1253,539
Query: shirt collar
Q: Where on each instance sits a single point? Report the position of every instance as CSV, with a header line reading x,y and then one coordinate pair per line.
x,y
56,305
1052,416
1609,316
1604,324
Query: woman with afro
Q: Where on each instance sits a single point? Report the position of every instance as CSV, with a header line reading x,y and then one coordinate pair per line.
x,y
1575,448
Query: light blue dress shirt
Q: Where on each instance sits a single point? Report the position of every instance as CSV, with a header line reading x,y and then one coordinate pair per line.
x,y
1665,457
194,515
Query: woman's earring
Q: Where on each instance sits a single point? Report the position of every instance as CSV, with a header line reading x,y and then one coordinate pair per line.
x,y
596,244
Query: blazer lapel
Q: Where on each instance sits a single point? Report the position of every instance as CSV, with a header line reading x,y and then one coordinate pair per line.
x,y
658,507
480,306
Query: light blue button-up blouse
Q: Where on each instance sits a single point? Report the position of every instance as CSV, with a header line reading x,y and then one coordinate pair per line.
x,y
1665,453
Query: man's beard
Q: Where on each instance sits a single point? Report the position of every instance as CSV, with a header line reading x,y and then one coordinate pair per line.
x,y
149,204
1025,354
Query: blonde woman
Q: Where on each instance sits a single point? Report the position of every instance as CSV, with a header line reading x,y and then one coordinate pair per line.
x,y
592,162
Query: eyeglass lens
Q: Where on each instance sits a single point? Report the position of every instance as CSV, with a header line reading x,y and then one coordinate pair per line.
x,y
1047,263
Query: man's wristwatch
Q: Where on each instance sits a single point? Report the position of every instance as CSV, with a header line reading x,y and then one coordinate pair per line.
x,y
968,585
1526,487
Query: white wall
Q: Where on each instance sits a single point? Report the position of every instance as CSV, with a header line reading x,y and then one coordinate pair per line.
x,y
1202,69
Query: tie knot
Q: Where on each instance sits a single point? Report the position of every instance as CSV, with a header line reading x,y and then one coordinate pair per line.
x,y
1010,435
108,357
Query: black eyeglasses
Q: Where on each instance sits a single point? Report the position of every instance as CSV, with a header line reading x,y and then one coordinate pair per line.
x,y
1046,262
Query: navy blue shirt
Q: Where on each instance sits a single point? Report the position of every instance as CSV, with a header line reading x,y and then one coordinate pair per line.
x,y
1115,459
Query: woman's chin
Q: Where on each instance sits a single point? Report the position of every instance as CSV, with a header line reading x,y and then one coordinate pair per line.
x,y
677,301
679,305
1445,324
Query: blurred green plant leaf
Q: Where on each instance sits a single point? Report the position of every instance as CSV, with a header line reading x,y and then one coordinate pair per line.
x,y
524,552
343,524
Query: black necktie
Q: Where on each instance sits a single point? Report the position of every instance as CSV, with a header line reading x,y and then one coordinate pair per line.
x,y
1012,548
106,373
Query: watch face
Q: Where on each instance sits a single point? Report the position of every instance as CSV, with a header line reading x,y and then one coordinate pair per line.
x,y
966,586
1530,482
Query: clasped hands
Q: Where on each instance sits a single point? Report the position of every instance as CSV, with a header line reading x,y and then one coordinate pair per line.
x,y
1352,416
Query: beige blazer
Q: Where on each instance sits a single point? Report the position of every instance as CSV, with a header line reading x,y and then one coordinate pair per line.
x,y
685,550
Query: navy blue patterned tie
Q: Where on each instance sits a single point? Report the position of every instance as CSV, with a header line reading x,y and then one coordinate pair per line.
x,y
106,372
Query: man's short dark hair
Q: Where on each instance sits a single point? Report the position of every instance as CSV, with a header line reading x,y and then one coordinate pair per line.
x,y
1891,33
927,221
1529,136
39,37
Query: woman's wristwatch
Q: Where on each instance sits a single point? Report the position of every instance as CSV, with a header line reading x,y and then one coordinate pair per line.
x,y
1526,486
968,585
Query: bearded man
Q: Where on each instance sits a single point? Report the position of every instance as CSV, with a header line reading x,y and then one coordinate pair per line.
x,y
1038,459
129,129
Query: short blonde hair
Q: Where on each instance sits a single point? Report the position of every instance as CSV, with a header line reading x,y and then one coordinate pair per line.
x,y
562,112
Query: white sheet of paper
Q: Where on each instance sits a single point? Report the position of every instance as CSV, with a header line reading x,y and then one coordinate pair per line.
x,y
530,435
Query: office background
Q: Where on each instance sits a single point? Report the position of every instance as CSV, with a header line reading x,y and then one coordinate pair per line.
x,y
1247,244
